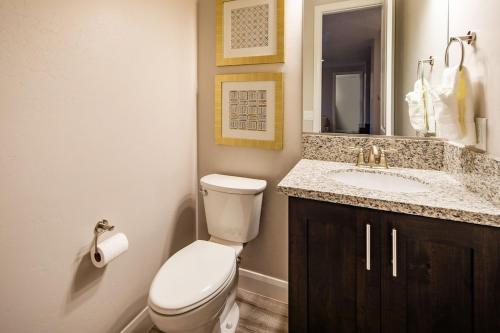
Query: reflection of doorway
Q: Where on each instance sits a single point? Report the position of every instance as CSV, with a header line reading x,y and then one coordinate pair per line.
x,y
348,107
348,40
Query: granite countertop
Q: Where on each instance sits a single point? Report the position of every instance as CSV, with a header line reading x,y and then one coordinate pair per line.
x,y
447,199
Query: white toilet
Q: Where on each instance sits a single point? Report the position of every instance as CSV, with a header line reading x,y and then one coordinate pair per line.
x,y
195,289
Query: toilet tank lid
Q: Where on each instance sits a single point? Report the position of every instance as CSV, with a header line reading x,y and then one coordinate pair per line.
x,y
232,184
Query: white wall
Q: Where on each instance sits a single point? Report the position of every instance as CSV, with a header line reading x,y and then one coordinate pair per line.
x,y
483,60
268,253
97,120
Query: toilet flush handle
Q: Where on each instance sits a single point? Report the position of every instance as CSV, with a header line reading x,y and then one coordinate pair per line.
x,y
203,192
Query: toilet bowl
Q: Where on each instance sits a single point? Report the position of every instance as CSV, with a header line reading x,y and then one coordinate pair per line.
x,y
195,289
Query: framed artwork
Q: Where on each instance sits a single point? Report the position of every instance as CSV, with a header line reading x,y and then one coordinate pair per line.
x,y
250,32
249,110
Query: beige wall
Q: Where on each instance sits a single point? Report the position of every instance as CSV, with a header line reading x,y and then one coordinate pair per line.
x,y
266,254
375,82
419,39
97,120
483,60
421,31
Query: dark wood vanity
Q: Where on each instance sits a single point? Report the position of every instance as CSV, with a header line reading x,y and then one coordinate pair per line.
x,y
354,269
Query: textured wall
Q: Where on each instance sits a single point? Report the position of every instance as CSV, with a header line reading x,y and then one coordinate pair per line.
x,y
267,254
97,119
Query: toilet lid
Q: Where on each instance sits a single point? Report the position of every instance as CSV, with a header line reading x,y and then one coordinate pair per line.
x,y
191,276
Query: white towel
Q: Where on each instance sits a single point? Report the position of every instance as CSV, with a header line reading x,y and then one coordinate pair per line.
x,y
455,109
421,107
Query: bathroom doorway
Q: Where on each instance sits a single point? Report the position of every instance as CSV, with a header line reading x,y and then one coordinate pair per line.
x,y
351,71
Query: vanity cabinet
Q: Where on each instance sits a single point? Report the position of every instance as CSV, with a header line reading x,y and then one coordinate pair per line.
x,y
362,270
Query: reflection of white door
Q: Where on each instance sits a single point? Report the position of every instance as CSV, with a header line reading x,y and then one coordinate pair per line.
x,y
386,92
348,102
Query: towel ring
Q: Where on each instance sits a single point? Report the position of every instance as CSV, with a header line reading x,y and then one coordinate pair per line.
x,y
470,38
420,67
447,55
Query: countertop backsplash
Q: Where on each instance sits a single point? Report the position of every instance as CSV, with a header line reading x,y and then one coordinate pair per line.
x,y
479,172
408,153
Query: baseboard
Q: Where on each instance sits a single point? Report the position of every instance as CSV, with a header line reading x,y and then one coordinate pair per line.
x,y
140,324
263,285
252,281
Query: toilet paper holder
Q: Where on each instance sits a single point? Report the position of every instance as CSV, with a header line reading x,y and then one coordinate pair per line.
x,y
100,228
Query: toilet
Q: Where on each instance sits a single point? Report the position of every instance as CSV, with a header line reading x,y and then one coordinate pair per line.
x,y
195,289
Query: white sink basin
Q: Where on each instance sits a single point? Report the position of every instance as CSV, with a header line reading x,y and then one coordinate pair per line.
x,y
379,181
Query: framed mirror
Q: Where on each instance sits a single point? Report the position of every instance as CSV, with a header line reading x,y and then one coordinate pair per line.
x,y
360,60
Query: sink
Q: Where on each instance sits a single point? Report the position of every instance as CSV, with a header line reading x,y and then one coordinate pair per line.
x,y
380,181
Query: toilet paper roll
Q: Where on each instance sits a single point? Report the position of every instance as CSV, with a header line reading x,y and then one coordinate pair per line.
x,y
108,250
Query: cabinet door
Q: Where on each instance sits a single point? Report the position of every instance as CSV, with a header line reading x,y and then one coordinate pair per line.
x,y
329,287
439,276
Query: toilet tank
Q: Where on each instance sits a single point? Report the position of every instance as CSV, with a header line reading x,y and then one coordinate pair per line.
x,y
232,206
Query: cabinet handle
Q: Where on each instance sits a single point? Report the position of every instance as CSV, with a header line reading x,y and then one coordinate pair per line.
x,y
368,247
394,253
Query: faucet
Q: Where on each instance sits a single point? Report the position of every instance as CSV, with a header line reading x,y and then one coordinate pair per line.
x,y
376,159
375,154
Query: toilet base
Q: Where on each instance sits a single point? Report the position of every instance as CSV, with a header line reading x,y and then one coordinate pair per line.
x,y
231,321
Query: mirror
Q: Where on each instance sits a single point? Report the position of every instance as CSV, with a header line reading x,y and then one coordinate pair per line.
x,y
360,60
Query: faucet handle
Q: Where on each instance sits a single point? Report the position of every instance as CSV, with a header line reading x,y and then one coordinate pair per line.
x,y
383,159
361,156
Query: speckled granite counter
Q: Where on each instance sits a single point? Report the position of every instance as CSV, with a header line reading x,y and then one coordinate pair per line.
x,y
447,199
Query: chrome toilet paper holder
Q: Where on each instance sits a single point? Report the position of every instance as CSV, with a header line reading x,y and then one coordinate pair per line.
x,y
100,228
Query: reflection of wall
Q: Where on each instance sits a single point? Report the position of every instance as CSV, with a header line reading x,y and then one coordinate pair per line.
x,y
421,31
268,253
375,85
483,61
97,120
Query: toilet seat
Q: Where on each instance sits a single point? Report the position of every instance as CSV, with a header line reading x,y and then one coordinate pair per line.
x,y
192,277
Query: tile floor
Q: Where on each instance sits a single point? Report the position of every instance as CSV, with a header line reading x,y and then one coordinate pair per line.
x,y
259,314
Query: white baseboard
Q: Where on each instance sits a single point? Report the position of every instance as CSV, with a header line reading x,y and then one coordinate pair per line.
x,y
252,281
140,324
263,285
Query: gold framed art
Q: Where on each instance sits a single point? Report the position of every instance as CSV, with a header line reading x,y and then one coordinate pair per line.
x,y
250,32
249,110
